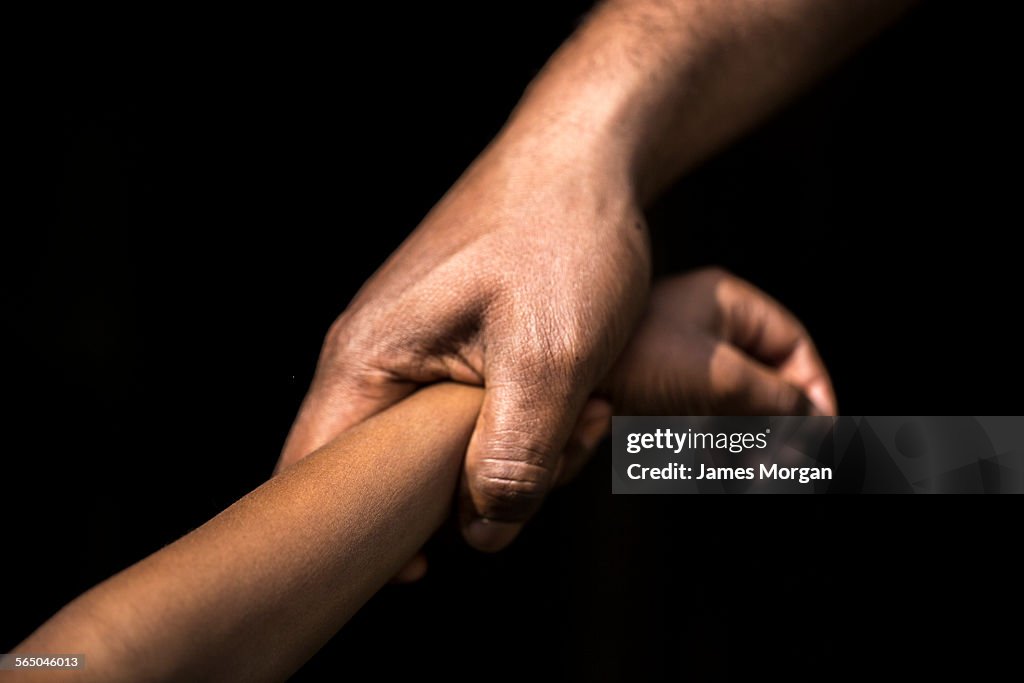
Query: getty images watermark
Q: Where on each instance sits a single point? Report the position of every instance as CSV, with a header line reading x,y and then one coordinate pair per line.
x,y
817,455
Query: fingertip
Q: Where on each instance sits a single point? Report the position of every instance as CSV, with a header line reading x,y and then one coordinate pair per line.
x,y
412,572
594,423
490,536
821,398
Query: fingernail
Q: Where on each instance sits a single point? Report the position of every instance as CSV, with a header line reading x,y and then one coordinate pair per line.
x,y
490,536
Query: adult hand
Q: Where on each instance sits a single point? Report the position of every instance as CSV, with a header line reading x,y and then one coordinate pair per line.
x,y
709,344
527,278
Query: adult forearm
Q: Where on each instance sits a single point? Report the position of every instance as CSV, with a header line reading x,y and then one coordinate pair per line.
x,y
254,592
658,85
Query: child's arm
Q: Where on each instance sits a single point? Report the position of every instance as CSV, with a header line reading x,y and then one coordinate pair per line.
x,y
257,590
254,592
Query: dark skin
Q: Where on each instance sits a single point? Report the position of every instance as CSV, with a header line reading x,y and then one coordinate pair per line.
x,y
254,592
724,348
709,343
530,275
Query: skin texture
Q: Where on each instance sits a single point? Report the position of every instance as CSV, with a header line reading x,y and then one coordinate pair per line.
x,y
539,324
709,343
529,276
253,593
723,347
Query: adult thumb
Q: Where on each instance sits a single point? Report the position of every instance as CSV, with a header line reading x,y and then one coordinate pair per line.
x,y
513,458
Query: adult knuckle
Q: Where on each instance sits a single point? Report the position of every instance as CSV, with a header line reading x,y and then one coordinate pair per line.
x,y
349,363
344,338
366,344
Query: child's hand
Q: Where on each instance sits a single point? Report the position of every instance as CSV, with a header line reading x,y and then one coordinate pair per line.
x,y
709,344
713,344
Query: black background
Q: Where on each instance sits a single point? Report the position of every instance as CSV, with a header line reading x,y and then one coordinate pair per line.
x,y
196,198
